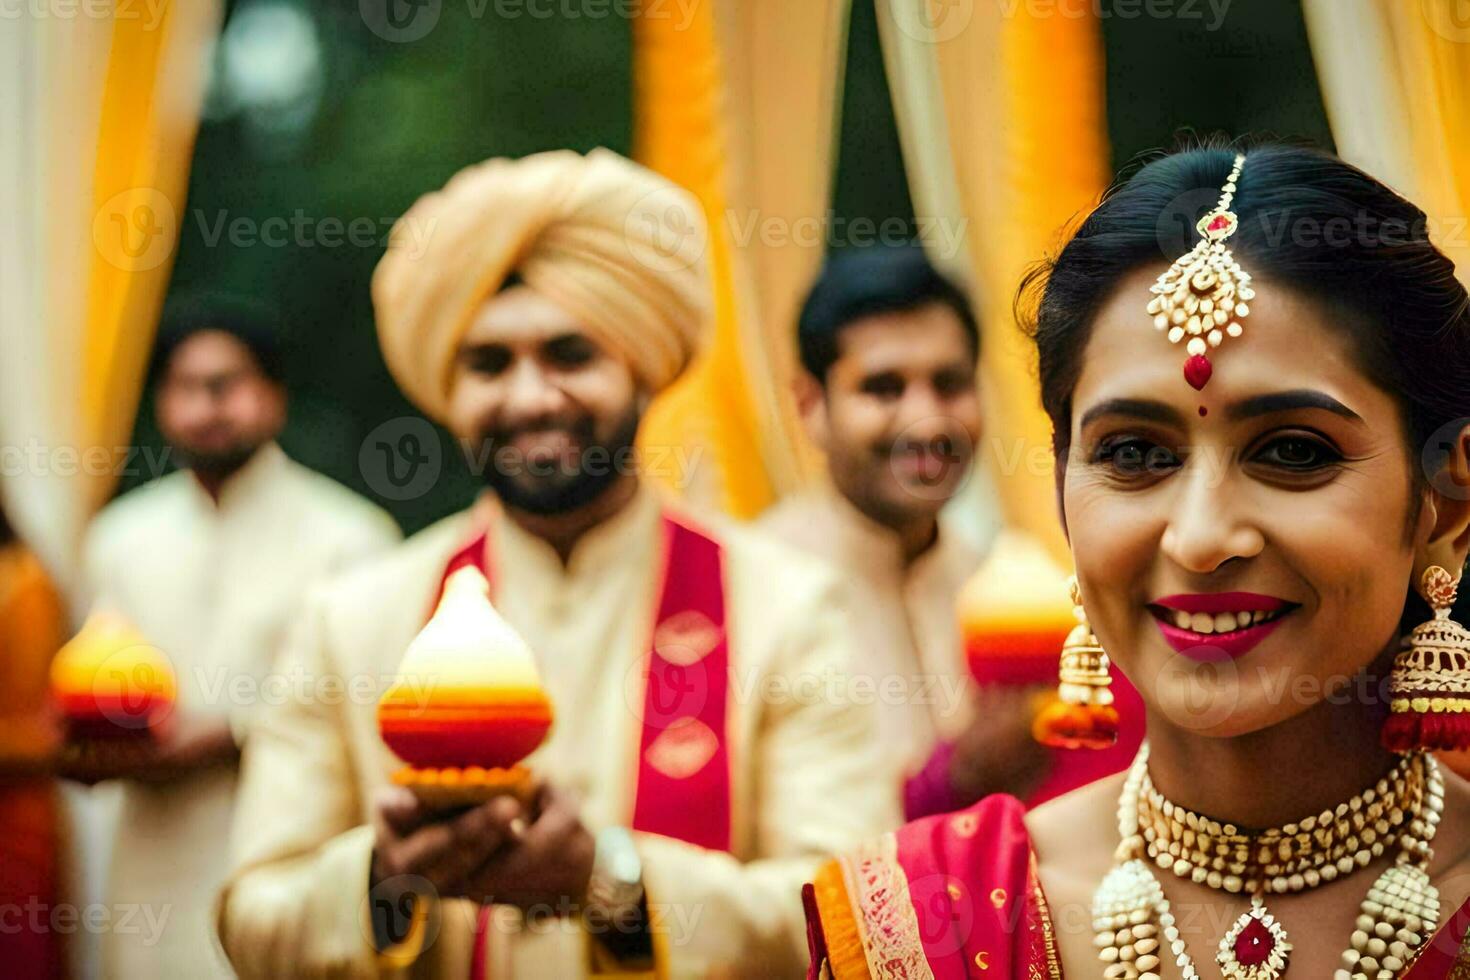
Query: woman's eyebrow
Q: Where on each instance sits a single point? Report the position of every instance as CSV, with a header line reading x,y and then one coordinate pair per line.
x,y
1283,401
1139,408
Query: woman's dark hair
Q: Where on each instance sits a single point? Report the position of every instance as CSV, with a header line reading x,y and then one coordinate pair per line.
x,y
1308,221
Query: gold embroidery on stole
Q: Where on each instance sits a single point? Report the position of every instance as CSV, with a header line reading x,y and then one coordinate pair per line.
x,y
886,923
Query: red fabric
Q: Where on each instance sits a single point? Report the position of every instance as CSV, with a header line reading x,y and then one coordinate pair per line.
x,y
695,809
29,947
479,954
1443,952
993,908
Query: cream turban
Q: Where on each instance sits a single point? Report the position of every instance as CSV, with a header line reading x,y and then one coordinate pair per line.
x,y
611,242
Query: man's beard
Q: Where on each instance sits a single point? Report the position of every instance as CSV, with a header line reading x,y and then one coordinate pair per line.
x,y
217,464
548,489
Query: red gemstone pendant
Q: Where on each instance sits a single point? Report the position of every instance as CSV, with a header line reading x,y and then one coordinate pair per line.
x,y
1254,944
1255,948
1197,371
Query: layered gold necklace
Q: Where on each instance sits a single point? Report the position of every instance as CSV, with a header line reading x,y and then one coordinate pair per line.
x,y
1136,930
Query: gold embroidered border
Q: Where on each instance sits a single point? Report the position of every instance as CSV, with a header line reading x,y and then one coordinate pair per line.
x,y
1043,912
887,925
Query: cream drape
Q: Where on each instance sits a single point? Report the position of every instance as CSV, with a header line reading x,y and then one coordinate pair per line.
x,y
100,115
739,104
1396,82
1001,116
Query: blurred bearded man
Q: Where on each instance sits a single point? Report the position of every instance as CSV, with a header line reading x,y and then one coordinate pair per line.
x,y
556,296
888,390
208,563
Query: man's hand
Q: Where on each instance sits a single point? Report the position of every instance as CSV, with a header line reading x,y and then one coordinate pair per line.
x,y
494,852
997,754
183,745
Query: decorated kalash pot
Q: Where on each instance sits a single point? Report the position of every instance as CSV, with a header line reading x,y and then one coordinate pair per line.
x,y
112,687
467,704
1014,616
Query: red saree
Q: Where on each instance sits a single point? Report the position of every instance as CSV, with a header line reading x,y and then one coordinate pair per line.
x,y
32,628
956,897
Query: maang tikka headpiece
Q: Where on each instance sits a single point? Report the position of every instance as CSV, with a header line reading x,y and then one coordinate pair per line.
x,y
1202,297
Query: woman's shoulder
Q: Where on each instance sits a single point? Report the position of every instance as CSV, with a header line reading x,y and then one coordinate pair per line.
x,y
971,862
1074,836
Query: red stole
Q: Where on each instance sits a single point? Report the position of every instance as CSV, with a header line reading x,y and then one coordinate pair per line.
x,y
683,788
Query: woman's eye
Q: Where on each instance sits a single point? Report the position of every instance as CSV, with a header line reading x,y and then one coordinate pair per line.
x,y
1298,453
1136,457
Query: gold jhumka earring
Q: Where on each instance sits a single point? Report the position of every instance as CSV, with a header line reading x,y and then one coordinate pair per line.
x,y
1429,689
1082,716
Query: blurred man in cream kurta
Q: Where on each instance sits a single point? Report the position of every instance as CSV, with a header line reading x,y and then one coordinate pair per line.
x,y
889,349
548,375
208,563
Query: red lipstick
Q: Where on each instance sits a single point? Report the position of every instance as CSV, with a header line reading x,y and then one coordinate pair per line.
x,y
1218,602
1232,644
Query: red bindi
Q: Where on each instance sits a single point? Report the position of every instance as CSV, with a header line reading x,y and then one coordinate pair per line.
x,y
1203,411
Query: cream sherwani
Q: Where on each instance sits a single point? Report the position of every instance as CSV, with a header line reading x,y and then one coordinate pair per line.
x,y
906,611
801,760
213,587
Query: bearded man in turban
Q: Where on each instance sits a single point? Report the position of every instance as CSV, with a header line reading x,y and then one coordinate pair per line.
x,y
702,759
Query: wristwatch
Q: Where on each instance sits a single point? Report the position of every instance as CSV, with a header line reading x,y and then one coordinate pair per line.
x,y
615,890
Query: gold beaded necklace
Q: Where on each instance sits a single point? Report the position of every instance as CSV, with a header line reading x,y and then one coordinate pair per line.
x,y
1132,917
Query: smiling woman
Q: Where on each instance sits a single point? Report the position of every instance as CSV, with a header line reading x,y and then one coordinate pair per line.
x,y
1257,368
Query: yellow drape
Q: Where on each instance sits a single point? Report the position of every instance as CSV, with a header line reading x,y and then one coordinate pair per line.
x,y
737,101
1001,116
1396,81
104,111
